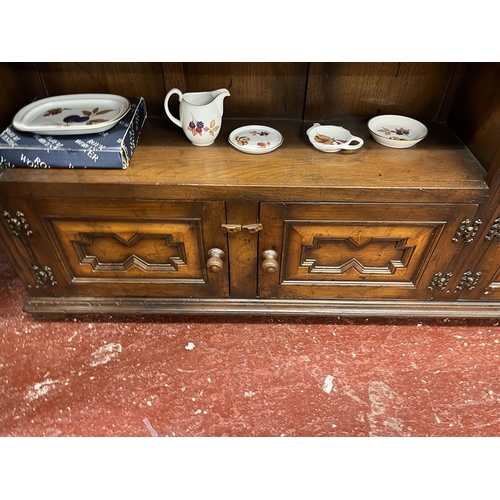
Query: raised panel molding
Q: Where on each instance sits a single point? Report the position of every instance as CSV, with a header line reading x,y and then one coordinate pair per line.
x,y
367,253
138,251
112,252
377,256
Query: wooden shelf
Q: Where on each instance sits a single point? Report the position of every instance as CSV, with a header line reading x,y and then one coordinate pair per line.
x,y
166,164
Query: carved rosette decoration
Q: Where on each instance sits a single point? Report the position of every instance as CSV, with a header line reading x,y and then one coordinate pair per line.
x,y
467,230
468,280
440,281
44,276
18,224
494,232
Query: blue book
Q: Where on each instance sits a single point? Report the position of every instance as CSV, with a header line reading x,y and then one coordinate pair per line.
x,y
110,149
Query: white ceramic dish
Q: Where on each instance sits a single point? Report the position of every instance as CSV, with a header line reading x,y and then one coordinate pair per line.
x,y
396,131
255,139
71,114
331,138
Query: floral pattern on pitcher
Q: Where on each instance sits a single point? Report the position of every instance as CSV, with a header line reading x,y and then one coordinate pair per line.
x,y
198,127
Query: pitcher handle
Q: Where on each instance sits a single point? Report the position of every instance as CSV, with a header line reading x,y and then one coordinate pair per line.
x,y
169,114
354,146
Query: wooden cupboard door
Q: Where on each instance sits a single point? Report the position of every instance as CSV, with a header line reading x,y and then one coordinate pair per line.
x,y
483,280
357,250
140,248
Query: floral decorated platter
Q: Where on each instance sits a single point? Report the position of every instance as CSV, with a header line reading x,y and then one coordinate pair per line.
x,y
395,131
255,139
71,114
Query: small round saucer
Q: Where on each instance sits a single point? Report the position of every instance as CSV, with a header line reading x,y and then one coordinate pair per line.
x,y
255,139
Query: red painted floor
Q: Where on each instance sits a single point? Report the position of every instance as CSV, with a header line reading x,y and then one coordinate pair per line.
x,y
206,376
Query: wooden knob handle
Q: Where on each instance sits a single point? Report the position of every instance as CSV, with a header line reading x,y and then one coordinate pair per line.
x,y
269,261
215,264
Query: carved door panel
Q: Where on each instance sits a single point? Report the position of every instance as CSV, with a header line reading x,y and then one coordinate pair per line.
x,y
138,248
483,280
358,250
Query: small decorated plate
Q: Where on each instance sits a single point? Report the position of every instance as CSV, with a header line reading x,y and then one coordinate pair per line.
x,y
255,139
395,131
72,114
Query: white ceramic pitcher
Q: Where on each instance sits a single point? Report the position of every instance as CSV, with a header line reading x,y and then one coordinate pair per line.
x,y
200,114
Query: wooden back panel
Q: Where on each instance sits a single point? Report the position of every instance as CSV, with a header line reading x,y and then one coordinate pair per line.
x,y
291,90
337,90
258,90
20,83
475,115
127,79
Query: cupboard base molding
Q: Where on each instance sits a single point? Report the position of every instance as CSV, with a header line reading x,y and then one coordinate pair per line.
x,y
262,307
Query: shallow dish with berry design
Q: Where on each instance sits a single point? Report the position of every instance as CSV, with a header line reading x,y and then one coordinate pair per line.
x,y
71,114
255,139
396,131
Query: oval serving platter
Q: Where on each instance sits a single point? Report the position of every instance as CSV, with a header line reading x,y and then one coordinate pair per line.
x,y
71,114
255,139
